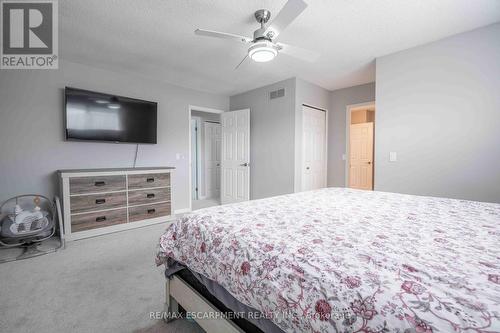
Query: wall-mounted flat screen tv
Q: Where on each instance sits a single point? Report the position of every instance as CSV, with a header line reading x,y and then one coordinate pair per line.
x,y
93,116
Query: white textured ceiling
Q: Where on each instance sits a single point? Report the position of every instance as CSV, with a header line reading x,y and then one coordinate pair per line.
x,y
155,38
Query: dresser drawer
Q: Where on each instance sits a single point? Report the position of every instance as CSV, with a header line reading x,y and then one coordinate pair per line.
x,y
148,211
148,180
88,203
98,220
97,184
140,197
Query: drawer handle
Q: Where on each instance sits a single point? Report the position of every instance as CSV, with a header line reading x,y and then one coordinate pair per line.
x,y
100,183
151,211
100,218
150,180
100,201
150,195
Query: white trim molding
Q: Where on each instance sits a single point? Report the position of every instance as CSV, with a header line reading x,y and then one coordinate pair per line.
x,y
204,109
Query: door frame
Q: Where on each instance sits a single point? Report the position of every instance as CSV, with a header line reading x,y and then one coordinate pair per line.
x,y
198,122
201,109
348,111
298,149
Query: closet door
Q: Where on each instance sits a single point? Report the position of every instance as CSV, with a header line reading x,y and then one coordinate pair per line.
x,y
313,148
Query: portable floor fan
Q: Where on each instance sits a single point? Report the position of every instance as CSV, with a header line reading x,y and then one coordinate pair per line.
x,y
263,46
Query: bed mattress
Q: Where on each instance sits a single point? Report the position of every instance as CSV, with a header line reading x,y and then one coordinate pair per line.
x,y
346,260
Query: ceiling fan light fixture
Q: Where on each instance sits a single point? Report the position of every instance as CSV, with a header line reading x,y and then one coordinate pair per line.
x,y
263,51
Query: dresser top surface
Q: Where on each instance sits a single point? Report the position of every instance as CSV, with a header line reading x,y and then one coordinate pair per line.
x,y
115,169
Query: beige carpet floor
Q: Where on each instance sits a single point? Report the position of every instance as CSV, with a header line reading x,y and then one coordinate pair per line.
x,y
102,284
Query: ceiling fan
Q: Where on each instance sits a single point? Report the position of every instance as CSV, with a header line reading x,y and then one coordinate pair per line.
x,y
263,45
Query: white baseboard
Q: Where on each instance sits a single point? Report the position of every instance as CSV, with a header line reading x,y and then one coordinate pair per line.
x,y
182,211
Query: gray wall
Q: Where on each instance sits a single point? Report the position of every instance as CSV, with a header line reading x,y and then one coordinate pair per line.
x,y
32,144
339,100
438,107
272,128
312,95
276,132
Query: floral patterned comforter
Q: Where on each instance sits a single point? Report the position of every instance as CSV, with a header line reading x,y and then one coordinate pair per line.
x,y
342,260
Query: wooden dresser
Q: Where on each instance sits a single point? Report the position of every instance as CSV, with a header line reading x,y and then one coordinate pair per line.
x,y
99,201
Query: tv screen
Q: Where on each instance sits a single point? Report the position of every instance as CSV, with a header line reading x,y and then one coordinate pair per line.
x,y
93,116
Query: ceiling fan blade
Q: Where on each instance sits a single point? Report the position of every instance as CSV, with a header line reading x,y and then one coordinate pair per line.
x,y
288,13
225,35
299,53
241,62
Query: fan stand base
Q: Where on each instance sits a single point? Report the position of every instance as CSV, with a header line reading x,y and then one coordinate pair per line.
x,y
262,16
29,251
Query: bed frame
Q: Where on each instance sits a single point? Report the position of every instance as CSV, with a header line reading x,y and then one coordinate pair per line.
x,y
178,291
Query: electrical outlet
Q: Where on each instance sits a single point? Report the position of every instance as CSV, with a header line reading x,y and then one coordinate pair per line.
x,y
393,156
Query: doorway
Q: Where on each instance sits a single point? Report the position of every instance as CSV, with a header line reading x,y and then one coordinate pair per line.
x,y
360,146
314,144
205,157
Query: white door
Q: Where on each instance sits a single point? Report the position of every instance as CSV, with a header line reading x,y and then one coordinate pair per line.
x,y
235,163
212,159
361,156
313,148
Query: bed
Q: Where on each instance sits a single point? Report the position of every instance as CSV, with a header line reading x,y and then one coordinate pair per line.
x,y
342,260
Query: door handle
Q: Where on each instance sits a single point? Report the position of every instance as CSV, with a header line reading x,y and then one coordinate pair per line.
x,y
245,164
307,168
